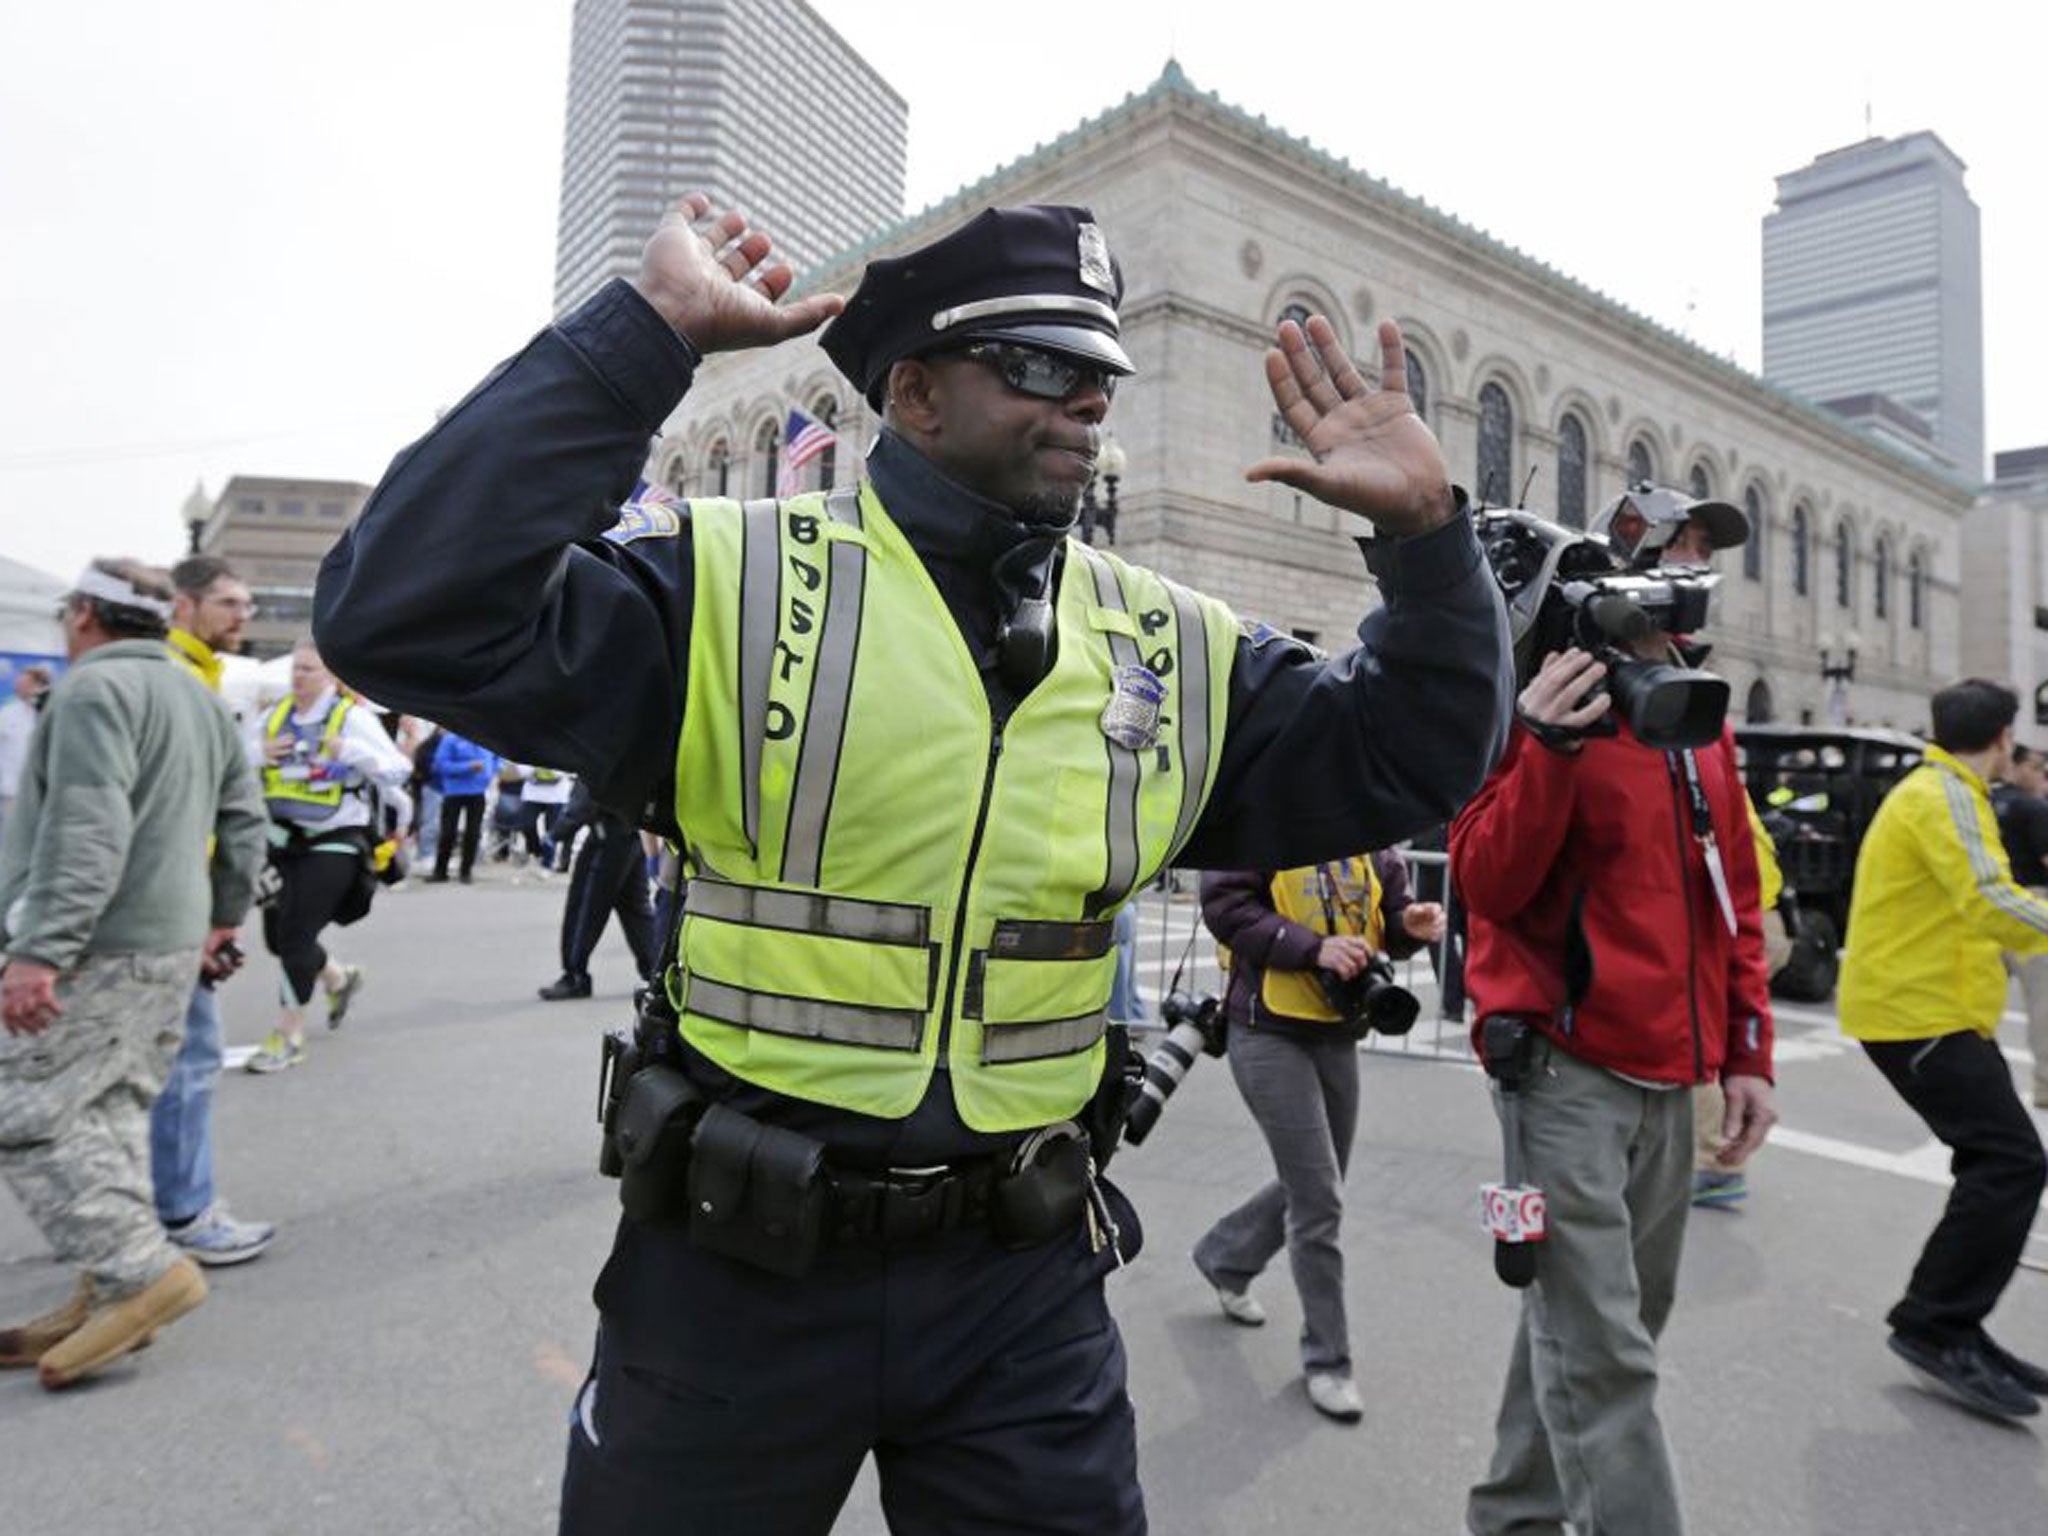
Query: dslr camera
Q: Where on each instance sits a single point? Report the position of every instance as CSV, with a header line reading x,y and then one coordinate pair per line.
x,y
1566,588
1195,1027
1371,1001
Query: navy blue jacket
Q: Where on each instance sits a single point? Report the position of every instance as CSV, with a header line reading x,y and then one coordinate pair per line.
x,y
478,589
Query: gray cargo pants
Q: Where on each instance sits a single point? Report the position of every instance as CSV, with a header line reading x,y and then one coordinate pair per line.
x,y
1578,1436
74,1114
1304,1095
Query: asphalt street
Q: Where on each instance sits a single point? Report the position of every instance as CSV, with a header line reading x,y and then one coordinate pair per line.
x,y
404,1358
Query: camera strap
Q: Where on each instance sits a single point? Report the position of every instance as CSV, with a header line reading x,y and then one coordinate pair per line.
x,y
1703,831
1331,894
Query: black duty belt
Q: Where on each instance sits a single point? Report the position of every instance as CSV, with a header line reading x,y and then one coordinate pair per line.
x,y
906,1205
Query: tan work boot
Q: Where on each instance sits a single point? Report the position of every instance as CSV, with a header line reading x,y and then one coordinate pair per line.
x,y
117,1327
27,1343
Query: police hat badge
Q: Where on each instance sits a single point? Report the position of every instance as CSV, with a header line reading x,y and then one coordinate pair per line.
x,y
1095,271
1131,717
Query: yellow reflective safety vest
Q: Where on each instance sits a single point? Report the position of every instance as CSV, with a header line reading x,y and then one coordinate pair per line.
x,y
1352,887
293,796
878,877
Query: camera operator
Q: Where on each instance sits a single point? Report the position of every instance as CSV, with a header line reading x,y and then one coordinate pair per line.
x,y
1612,895
1293,1047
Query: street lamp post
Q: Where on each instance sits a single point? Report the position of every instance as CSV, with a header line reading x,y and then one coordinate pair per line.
x,y
1838,670
197,511
1109,464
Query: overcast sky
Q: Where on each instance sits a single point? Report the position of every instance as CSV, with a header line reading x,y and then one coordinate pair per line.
x,y
272,236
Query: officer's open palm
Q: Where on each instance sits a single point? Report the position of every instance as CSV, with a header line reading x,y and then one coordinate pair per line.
x,y
710,276
1370,452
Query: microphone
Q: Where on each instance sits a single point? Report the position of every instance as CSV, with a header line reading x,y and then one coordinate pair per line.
x,y
1515,1213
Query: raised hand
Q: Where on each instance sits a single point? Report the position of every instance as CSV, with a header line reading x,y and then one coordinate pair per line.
x,y
1371,453
711,279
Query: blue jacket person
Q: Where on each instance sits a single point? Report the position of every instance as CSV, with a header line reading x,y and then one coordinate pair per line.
x,y
928,745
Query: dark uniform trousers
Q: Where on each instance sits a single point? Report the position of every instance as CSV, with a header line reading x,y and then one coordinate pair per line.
x,y
988,1383
610,876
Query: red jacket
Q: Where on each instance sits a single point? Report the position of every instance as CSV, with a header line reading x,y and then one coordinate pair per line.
x,y
1607,834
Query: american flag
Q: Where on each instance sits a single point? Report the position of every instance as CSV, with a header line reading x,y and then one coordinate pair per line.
x,y
803,440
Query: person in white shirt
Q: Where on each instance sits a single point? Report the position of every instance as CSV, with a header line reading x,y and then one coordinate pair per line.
x,y
543,796
18,718
328,769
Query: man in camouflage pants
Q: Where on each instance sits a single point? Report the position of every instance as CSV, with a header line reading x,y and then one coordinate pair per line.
x,y
106,918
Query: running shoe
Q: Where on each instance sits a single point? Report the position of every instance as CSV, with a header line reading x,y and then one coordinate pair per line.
x,y
339,999
277,1052
214,1237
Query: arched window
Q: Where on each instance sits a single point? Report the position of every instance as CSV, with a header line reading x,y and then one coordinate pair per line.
x,y
1753,550
1700,483
718,470
1571,471
1298,312
1881,578
1916,591
675,474
1758,710
826,414
768,451
1496,446
1418,383
1802,577
1845,565
1641,466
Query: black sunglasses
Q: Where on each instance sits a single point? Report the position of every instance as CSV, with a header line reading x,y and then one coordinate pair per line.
x,y
1047,375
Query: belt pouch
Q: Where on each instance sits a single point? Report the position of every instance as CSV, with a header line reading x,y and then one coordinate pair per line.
x,y
652,1138
1044,1195
757,1192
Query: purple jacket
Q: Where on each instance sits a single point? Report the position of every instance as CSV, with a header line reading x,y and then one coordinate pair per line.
x,y
1237,908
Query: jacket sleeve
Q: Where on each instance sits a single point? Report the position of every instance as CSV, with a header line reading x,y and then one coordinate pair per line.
x,y
1504,843
1959,841
477,588
1327,755
240,827
1750,1027
1397,895
87,824
367,748
1237,908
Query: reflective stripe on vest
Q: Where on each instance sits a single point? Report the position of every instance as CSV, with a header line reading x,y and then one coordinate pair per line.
x,y
299,799
881,884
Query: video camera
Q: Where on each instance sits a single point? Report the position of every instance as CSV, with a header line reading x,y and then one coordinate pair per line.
x,y
1565,588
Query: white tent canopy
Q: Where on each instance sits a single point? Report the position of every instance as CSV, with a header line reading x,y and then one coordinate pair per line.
x,y
28,617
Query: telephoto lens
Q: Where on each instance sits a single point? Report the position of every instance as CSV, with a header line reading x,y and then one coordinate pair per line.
x,y
1197,1028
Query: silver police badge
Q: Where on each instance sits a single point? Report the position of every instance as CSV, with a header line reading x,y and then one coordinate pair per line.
x,y
1131,717
1096,271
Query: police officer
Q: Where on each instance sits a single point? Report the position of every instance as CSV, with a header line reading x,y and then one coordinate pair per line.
x,y
920,746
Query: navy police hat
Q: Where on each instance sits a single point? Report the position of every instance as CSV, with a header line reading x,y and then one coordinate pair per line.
x,y
1042,276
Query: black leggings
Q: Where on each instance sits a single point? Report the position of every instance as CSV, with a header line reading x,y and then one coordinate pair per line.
x,y
470,808
313,886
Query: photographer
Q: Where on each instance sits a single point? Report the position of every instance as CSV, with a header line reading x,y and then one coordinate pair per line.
x,y
1294,940
1613,901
